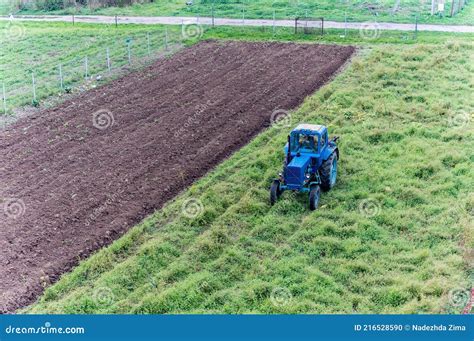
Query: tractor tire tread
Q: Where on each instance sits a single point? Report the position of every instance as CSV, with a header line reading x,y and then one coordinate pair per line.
x,y
274,192
314,195
325,173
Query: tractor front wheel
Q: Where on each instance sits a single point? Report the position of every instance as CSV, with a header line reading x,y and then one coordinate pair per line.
x,y
275,192
314,194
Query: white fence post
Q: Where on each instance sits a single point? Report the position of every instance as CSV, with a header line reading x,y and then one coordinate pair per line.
x,y
61,83
34,86
86,66
273,22
107,53
345,24
212,12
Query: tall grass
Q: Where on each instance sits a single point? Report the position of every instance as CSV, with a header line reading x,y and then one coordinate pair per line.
x,y
37,49
391,237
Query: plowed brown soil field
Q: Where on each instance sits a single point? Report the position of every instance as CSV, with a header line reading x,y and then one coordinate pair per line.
x,y
76,177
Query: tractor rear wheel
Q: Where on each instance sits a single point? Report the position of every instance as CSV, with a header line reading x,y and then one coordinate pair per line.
x,y
314,194
275,192
328,173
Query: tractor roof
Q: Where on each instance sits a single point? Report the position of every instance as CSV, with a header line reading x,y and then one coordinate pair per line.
x,y
309,129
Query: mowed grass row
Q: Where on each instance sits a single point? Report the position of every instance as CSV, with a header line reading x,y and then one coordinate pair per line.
x,y
359,10
392,237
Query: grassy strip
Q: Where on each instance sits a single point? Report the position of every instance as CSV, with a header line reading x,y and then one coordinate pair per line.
x,y
336,36
387,239
382,10
38,48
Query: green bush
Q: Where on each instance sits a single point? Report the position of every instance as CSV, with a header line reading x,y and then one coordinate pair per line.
x,y
50,5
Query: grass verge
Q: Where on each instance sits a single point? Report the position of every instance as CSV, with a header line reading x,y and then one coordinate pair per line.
x,y
383,10
42,51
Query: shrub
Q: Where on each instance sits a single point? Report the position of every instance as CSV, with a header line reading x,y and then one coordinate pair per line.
x,y
50,5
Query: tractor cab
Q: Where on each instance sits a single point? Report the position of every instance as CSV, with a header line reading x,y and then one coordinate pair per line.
x,y
307,138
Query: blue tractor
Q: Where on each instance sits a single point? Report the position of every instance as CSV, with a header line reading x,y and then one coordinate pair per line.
x,y
310,164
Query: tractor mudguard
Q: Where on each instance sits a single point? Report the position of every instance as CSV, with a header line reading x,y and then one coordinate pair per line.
x,y
331,148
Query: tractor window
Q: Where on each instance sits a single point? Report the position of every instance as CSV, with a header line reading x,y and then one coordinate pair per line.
x,y
323,140
300,141
295,140
306,141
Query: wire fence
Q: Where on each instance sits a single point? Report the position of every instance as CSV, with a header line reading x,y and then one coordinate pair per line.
x,y
265,9
77,73
83,72
114,55
389,10
330,9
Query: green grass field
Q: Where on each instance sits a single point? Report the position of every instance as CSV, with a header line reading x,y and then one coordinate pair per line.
x,y
392,237
384,10
41,49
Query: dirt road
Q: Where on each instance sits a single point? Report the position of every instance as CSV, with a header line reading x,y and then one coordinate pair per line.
x,y
100,19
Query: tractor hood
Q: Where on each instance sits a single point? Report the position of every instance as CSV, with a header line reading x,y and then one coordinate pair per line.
x,y
296,169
